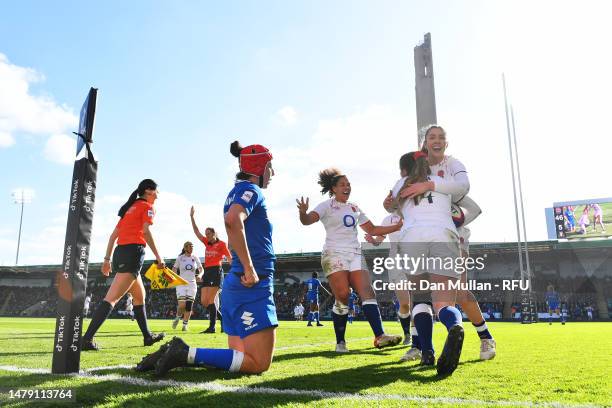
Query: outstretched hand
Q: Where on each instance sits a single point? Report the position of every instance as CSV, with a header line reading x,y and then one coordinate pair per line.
x,y
302,205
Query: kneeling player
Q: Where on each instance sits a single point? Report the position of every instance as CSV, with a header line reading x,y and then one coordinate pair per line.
x,y
247,304
189,268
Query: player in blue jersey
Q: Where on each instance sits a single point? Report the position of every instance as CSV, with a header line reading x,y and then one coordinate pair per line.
x,y
571,218
248,309
312,295
353,307
552,302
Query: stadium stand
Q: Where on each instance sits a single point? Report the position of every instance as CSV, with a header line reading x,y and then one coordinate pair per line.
x,y
581,273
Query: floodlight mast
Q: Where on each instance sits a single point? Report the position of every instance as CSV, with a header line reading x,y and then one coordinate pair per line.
x,y
21,197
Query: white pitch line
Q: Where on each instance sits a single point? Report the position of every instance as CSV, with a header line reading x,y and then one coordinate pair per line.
x,y
216,387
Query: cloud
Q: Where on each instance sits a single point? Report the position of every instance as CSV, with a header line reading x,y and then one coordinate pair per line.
x,y
60,149
23,112
287,115
6,140
365,145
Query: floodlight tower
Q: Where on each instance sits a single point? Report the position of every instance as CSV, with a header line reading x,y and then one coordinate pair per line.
x,y
424,87
21,196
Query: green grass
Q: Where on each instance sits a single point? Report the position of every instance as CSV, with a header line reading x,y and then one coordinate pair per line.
x,y
568,364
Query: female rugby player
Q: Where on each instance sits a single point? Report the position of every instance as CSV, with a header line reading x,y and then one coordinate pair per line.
x,y
132,234
248,309
341,259
429,233
213,270
189,268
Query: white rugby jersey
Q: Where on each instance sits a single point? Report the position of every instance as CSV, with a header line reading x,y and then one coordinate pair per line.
x,y
187,266
452,169
392,219
434,209
340,221
87,300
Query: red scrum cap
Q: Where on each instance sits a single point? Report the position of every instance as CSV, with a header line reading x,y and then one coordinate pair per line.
x,y
252,159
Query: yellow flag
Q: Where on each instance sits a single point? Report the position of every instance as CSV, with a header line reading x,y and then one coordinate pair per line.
x,y
163,278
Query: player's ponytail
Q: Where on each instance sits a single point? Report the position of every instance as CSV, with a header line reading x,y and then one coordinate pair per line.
x,y
235,149
328,178
146,184
418,169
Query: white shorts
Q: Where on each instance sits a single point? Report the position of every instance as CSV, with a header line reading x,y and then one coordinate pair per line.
x,y
186,292
335,261
438,248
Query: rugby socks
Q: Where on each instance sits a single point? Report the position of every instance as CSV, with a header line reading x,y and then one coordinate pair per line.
x,y
140,313
449,316
482,330
225,359
416,343
422,315
316,316
372,313
212,314
404,319
98,317
339,326
310,314
350,319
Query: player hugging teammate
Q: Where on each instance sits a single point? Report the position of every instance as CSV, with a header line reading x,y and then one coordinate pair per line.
x,y
423,197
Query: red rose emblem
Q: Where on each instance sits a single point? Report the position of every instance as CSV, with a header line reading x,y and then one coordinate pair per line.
x,y
440,173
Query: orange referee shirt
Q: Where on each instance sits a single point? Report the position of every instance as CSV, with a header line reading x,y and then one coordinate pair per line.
x,y
130,226
215,252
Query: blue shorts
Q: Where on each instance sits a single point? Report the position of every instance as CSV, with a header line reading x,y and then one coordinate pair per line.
x,y
247,310
313,297
553,306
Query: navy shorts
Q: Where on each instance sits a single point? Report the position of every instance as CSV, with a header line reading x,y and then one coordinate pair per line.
x,y
128,258
247,310
212,277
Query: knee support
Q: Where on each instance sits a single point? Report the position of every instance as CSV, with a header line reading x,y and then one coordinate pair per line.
x,y
188,305
340,308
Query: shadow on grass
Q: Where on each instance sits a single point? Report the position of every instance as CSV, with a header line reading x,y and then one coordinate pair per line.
x,y
358,379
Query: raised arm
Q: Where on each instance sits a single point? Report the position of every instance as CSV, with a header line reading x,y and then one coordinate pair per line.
x,y
196,230
306,218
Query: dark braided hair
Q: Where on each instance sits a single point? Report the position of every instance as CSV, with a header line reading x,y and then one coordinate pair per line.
x,y
328,178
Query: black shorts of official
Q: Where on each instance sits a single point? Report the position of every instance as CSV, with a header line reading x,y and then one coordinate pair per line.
x,y
128,259
212,277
